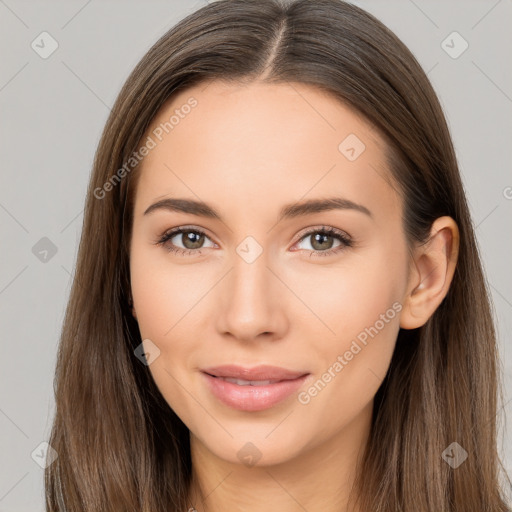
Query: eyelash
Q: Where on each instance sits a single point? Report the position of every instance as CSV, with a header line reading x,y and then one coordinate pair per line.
x,y
345,240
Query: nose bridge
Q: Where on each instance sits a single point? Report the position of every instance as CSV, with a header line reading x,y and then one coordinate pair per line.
x,y
250,304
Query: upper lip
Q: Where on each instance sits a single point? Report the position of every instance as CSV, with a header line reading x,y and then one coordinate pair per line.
x,y
263,372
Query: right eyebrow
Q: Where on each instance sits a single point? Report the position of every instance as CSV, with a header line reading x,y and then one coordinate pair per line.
x,y
185,206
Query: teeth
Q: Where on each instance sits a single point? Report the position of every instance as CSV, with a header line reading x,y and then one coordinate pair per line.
x,y
242,382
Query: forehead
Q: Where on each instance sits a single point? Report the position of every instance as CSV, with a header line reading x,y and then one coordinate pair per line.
x,y
266,142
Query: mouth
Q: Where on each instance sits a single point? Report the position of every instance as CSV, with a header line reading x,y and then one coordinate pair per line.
x,y
262,388
242,382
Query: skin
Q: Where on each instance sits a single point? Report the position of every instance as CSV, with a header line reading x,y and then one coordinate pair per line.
x,y
247,150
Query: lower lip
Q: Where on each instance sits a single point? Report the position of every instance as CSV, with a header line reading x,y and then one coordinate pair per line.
x,y
252,398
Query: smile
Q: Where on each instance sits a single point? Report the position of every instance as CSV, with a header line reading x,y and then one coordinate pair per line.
x,y
252,395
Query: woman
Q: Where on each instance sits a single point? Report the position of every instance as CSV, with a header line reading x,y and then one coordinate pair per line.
x,y
278,300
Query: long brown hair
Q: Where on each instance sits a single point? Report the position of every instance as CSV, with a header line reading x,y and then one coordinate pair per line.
x,y
120,446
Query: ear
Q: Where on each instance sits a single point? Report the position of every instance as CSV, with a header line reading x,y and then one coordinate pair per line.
x,y
130,302
432,270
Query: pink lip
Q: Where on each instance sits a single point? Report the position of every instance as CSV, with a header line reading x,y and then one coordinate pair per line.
x,y
253,398
262,372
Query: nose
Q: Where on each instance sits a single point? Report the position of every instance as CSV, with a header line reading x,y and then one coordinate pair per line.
x,y
252,302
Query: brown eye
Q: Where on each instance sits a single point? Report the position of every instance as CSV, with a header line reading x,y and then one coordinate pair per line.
x,y
322,241
184,241
192,239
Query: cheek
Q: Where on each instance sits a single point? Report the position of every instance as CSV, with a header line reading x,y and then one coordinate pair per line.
x,y
361,306
351,365
347,298
163,299
163,293
169,300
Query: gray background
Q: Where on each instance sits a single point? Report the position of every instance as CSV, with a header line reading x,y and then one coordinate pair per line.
x,y
52,114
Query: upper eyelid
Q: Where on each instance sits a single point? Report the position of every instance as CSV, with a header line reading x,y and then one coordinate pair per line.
x,y
327,229
169,233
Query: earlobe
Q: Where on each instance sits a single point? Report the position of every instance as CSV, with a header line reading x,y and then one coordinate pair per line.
x,y
432,273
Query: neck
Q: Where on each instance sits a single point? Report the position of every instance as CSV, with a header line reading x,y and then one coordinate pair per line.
x,y
318,478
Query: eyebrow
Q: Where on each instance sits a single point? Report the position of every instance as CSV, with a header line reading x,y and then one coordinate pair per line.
x,y
289,211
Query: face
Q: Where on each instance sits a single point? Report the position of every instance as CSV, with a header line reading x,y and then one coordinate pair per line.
x,y
257,277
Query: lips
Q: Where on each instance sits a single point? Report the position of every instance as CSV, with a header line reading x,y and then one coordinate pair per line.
x,y
252,389
258,373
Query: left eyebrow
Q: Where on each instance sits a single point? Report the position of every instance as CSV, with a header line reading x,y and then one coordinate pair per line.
x,y
289,211
321,205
